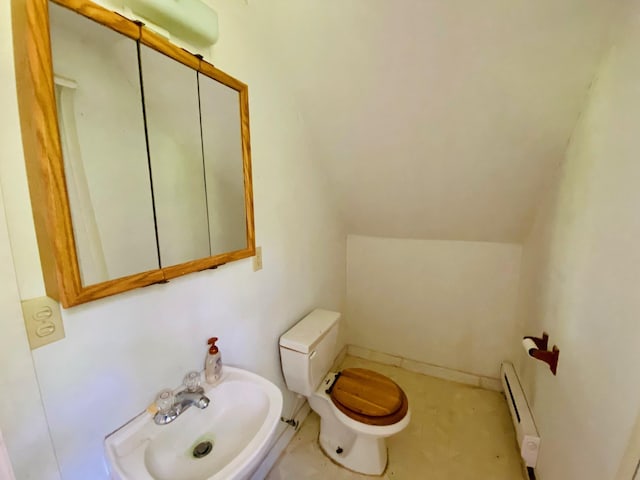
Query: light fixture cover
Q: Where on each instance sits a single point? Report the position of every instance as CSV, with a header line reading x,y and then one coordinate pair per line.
x,y
191,20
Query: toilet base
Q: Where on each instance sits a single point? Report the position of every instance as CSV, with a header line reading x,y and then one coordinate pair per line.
x,y
359,453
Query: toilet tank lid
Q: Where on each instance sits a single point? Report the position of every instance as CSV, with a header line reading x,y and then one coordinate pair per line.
x,y
305,334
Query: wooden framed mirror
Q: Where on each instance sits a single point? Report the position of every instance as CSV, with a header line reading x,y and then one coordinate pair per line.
x,y
137,152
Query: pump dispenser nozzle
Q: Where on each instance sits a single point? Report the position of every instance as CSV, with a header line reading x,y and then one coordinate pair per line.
x,y
213,349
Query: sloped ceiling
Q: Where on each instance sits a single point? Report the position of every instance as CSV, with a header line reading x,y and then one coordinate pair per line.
x,y
438,119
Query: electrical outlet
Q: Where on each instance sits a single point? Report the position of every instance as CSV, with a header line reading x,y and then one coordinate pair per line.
x,y
257,259
43,321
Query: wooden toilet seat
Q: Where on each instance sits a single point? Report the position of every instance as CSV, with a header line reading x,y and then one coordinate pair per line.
x,y
369,397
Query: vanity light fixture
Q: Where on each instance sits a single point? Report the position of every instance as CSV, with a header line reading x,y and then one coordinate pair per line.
x,y
191,20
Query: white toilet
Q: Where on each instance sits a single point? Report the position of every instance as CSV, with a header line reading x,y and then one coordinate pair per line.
x,y
358,408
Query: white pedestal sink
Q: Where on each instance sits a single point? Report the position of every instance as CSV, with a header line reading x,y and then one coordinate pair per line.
x,y
239,423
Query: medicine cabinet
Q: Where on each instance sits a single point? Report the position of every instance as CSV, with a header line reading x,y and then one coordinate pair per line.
x,y
137,152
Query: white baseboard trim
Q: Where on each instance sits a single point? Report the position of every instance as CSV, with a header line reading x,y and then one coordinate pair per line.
x,y
280,444
487,383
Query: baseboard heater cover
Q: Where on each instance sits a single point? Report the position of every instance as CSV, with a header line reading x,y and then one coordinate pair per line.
x,y
526,431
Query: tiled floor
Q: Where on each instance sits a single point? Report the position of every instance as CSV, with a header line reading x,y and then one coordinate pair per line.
x,y
457,432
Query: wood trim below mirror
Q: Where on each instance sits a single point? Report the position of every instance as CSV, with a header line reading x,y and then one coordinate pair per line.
x,y
43,150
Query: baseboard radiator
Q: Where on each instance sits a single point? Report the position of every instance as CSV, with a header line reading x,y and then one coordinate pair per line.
x,y
526,432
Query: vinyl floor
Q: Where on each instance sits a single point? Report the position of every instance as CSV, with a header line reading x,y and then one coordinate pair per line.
x,y
457,432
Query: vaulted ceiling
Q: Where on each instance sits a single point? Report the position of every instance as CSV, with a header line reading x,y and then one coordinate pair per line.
x,y
438,119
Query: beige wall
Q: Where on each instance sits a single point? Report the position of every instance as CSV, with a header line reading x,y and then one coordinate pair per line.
x,y
451,304
581,278
119,352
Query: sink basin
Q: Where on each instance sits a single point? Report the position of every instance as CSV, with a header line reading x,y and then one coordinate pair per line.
x,y
233,433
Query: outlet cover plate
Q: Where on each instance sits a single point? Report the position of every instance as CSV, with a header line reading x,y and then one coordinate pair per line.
x,y
43,321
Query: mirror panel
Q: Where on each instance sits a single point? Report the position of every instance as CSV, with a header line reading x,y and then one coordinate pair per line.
x,y
223,164
175,149
101,128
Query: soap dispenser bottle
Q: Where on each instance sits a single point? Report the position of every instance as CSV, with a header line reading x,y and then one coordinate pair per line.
x,y
213,363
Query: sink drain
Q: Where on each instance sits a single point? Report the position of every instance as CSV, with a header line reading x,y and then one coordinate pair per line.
x,y
202,449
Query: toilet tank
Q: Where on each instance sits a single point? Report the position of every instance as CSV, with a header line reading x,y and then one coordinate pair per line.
x,y
308,349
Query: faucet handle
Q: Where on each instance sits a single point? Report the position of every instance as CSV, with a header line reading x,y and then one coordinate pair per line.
x,y
192,381
165,400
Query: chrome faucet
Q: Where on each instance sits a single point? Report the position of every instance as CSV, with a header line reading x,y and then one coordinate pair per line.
x,y
171,406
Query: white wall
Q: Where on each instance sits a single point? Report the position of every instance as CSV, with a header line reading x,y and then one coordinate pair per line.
x,y
6,470
580,281
451,304
22,418
452,112
120,351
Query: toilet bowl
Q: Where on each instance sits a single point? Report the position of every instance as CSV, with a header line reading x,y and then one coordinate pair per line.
x,y
351,438
358,408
